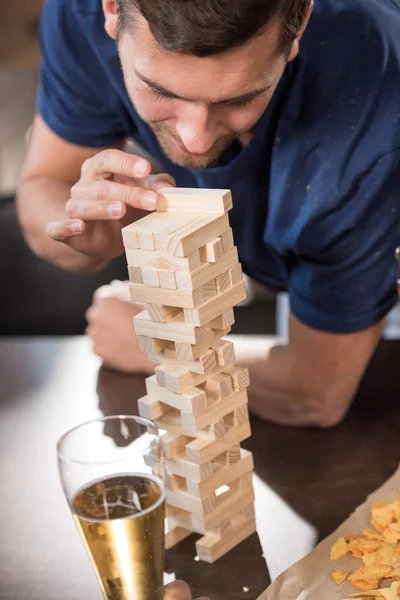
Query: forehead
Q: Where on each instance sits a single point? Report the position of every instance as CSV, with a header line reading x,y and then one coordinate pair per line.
x,y
254,63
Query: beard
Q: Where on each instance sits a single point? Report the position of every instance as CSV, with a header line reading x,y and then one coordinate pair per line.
x,y
171,146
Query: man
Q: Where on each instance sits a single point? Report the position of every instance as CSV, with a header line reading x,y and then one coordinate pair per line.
x,y
294,107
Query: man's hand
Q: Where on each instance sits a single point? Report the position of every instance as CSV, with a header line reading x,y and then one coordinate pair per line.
x,y
112,185
179,590
110,326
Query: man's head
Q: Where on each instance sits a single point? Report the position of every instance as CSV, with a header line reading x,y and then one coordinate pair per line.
x,y
202,72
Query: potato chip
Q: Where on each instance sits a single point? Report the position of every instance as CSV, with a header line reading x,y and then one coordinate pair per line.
x,y
382,514
370,533
396,509
367,578
394,573
340,576
391,535
370,594
387,554
359,547
339,549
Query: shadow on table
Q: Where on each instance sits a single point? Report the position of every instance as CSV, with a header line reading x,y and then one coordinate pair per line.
x,y
240,574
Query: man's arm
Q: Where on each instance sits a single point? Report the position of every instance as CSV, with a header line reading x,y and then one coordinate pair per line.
x,y
52,166
312,379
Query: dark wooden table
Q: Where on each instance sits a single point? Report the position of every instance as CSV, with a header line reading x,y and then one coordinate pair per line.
x,y
307,481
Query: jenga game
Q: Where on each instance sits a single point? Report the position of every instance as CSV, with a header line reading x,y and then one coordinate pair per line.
x,y
183,264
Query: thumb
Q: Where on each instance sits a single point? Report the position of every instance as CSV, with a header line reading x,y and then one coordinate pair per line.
x,y
155,182
178,590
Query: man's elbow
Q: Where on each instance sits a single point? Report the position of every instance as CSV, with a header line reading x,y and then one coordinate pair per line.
x,y
327,410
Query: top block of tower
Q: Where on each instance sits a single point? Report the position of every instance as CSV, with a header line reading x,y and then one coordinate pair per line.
x,y
194,200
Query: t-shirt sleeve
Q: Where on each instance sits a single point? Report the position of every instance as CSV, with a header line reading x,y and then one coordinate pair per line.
x,y
345,279
74,98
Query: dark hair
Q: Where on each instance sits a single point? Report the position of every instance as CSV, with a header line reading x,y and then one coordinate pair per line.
x,y
206,27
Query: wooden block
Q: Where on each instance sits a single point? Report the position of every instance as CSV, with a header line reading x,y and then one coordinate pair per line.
x,y
135,274
159,273
209,290
174,444
185,501
139,258
222,321
169,351
175,482
203,314
150,275
206,272
188,238
159,223
227,239
218,386
240,377
202,451
212,252
174,535
156,295
218,429
194,200
193,400
225,351
233,454
162,314
177,380
232,500
167,279
223,476
150,345
241,415
150,408
205,363
130,236
191,352
172,422
179,465
210,548
210,416
223,282
175,330
236,275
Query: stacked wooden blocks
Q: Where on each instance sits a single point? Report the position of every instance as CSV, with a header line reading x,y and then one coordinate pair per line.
x,y
183,264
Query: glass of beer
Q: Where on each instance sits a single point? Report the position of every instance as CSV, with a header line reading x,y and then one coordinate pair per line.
x,y
111,471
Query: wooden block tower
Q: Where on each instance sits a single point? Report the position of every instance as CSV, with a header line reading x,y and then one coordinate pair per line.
x,y
183,264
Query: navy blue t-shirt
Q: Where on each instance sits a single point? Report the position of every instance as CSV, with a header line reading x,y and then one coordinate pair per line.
x,y
316,192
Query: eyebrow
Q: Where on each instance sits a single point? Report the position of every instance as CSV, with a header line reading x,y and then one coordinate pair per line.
x,y
236,99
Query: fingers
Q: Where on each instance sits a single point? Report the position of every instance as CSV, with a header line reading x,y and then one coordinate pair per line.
x,y
112,195
155,182
116,289
115,162
178,590
61,231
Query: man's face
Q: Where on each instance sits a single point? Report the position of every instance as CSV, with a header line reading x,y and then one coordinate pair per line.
x,y
198,106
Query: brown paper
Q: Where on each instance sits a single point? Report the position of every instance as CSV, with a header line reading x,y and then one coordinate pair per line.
x,y
310,578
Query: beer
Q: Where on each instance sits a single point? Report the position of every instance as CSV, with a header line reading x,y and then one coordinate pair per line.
x,y
121,521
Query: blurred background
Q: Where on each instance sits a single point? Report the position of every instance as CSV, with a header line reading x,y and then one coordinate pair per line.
x,y
37,298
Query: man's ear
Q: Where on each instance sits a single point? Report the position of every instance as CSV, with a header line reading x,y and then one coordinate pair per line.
x,y
110,10
296,44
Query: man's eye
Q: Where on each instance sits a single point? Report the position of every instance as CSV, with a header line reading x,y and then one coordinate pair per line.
x,y
156,94
242,103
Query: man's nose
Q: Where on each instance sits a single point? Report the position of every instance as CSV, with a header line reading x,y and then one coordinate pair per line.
x,y
196,130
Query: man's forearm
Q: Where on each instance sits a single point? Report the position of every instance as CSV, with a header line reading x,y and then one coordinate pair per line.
x,y
39,201
279,391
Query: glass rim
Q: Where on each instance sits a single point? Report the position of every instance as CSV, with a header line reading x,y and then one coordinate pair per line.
x,y
136,418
